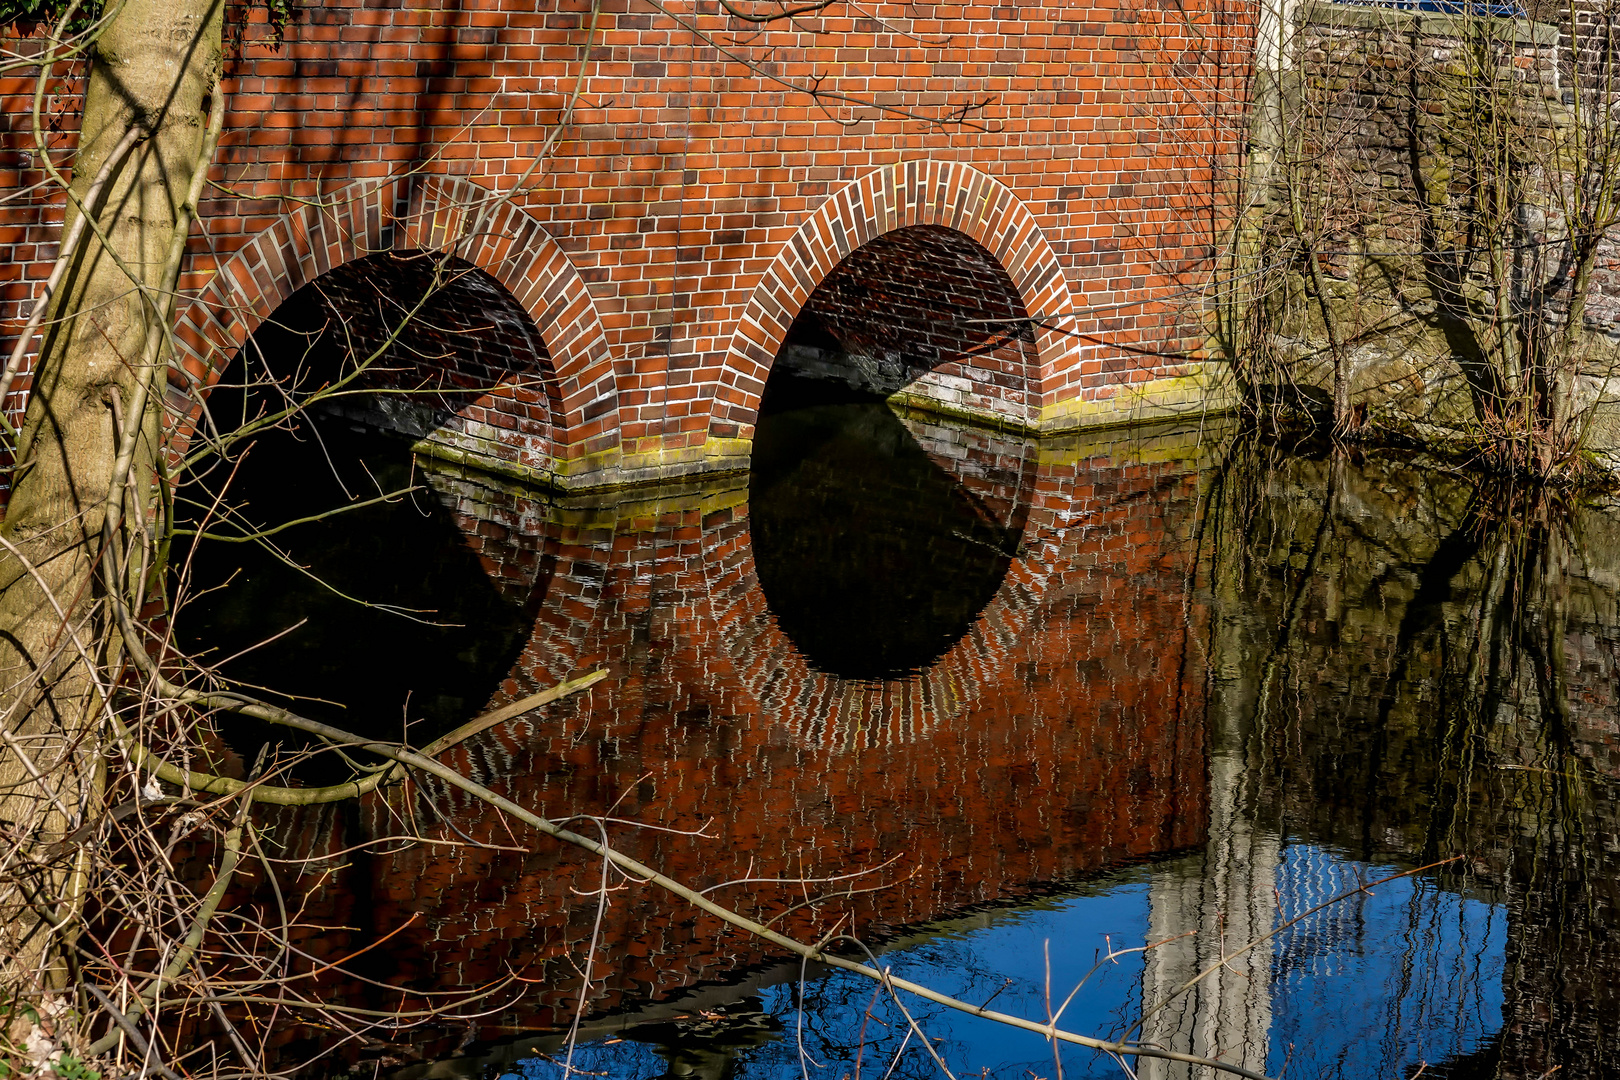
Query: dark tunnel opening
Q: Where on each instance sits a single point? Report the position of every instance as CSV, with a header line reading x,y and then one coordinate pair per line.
x,y
874,553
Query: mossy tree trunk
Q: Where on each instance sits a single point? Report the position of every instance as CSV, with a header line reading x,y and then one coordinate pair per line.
x,y
155,67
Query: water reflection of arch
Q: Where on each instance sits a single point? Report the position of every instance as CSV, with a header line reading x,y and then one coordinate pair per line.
x,y
820,708
1061,760
685,567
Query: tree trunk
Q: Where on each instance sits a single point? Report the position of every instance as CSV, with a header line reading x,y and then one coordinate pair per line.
x,y
1562,409
156,66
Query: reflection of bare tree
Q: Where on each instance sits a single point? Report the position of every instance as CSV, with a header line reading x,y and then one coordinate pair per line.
x,y
1444,684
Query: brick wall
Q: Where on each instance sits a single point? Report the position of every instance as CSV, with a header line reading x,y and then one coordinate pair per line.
x,y
693,204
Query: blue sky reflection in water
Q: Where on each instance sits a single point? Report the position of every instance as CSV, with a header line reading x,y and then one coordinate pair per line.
x,y
1377,985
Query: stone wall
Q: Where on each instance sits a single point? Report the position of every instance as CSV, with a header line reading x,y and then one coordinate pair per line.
x,y
1383,118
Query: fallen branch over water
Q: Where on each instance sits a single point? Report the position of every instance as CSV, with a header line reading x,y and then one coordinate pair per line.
x,y
213,784
420,760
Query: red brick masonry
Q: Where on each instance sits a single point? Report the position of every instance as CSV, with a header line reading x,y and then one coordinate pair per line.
x,y
699,195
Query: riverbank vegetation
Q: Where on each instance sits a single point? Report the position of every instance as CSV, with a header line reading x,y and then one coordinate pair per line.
x,y
1426,246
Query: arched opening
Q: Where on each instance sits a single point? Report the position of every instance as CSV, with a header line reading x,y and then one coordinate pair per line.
x,y
377,608
923,314
881,533
449,357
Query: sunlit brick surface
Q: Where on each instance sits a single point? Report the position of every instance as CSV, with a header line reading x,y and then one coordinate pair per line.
x,y
680,220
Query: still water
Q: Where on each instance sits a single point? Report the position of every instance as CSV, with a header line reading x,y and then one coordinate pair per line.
x,y
1027,718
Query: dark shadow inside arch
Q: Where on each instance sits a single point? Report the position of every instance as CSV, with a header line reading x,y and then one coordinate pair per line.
x,y
925,311
879,539
874,551
385,612
433,334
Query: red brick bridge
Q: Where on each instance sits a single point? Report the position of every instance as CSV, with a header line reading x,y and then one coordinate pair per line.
x,y
993,211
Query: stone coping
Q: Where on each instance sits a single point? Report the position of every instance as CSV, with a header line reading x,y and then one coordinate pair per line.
x,y
1356,16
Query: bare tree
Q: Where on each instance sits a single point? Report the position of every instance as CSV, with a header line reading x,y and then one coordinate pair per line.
x,y
1437,189
152,115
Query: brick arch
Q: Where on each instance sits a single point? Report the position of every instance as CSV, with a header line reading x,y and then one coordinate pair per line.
x,y
945,194
432,213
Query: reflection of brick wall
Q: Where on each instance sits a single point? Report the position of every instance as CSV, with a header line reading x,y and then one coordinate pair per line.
x,y
996,471
1562,998
1062,735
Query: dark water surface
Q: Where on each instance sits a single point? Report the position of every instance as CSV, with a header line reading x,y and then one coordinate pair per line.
x,y
1042,700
